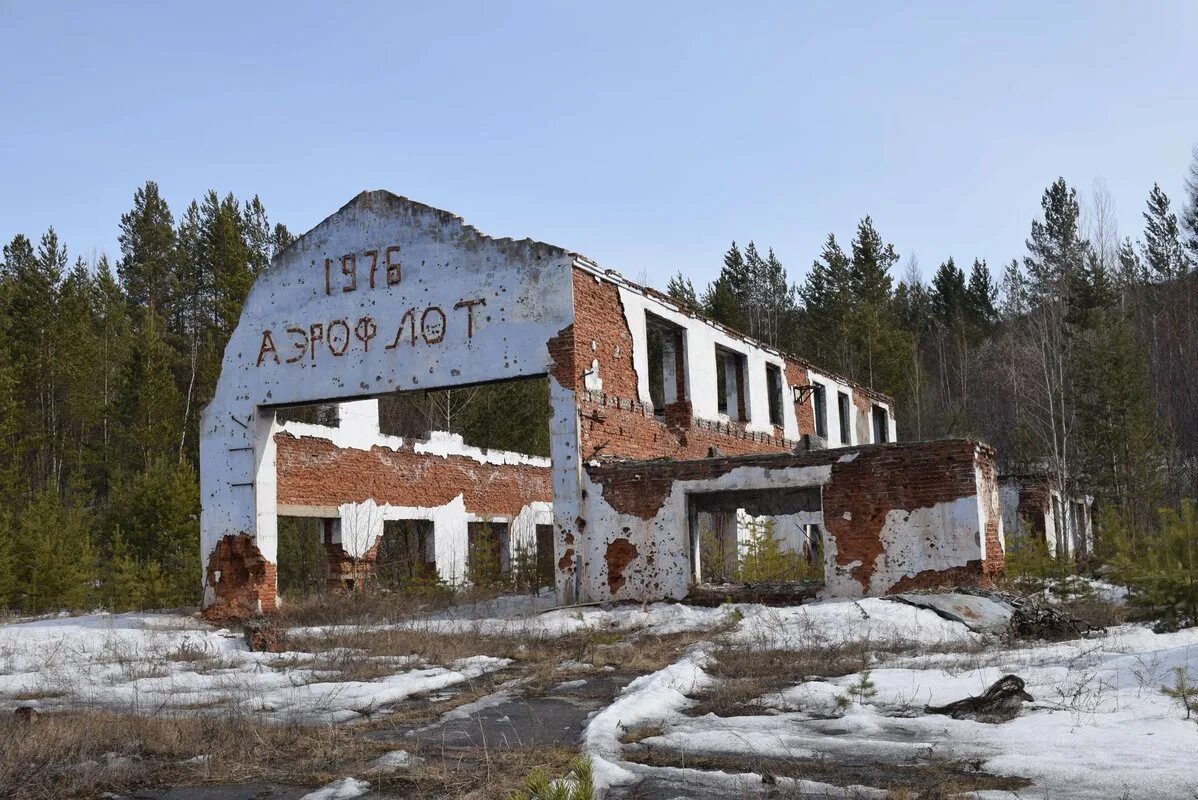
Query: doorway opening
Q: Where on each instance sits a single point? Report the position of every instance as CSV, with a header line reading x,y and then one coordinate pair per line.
x,y
757,536
303,567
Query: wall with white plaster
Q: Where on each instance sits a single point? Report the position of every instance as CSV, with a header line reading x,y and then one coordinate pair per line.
x,y
701,339
443,263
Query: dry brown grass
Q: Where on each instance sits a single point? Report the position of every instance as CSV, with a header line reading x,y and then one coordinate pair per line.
x,y
375,605
537,656
475,775
85,754
1094,612
746,674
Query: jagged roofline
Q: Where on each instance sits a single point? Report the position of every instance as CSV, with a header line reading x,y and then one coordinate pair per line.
x,y
366,196
582,262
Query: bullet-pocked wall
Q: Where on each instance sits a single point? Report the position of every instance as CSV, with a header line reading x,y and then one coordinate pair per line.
x,y
386,294
658,380
895,517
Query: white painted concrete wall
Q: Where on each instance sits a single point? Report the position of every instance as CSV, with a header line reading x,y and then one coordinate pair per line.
x,y
444,265
701,339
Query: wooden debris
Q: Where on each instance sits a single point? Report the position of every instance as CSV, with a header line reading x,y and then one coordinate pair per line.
x,y
1000,703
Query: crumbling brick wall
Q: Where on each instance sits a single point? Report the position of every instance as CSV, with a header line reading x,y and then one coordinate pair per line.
x,y
241,580
315,472
614,420
895,517
872,506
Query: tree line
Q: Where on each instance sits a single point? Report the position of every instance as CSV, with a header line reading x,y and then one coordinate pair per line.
x,y
103,372
1078,357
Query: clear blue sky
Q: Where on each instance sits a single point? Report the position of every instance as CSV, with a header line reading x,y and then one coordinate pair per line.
x,y
644,135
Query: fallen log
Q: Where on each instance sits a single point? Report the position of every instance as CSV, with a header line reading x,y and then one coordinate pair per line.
x,y
1000,703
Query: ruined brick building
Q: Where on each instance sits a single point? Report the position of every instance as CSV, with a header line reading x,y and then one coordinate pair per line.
x,y
665,427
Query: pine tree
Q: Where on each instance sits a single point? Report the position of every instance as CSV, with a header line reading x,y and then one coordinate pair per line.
x,y
682,291
981,295
149,407
1164,256
1055,248
1189,215
1056,254
148,256
724,299
281,239
1131,269
8,570
827,299
121,587
949,294
869,276
60,570
114,342
157,513
230,259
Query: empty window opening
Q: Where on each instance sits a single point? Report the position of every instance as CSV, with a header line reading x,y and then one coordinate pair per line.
x,y
406,554
666,352
487,554
881,425
756,536
509,415
545,558
846,416
325,414
730,384
303,565
773,380
819,401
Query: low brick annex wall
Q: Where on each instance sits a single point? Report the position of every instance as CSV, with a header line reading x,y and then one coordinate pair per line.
x,y
895,517
316,472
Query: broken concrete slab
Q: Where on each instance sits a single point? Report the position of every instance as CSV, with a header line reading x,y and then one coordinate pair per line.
x,y
981,614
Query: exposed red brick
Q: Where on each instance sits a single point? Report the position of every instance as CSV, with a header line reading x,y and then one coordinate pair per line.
x,y
862,491
241,578
313,471
620,552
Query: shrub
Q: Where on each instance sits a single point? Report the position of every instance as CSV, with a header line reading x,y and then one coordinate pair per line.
x,y
1185,693
1031,567
1163,572
762,559
483,565
577,785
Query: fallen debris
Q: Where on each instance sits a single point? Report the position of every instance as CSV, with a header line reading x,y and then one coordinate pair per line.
x,y
263,636
978,612
1000,703
790,593
1033,620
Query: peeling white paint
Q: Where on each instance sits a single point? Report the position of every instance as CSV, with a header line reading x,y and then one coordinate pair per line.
x,y
441,443
941,537
666,536
360,525
428,329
